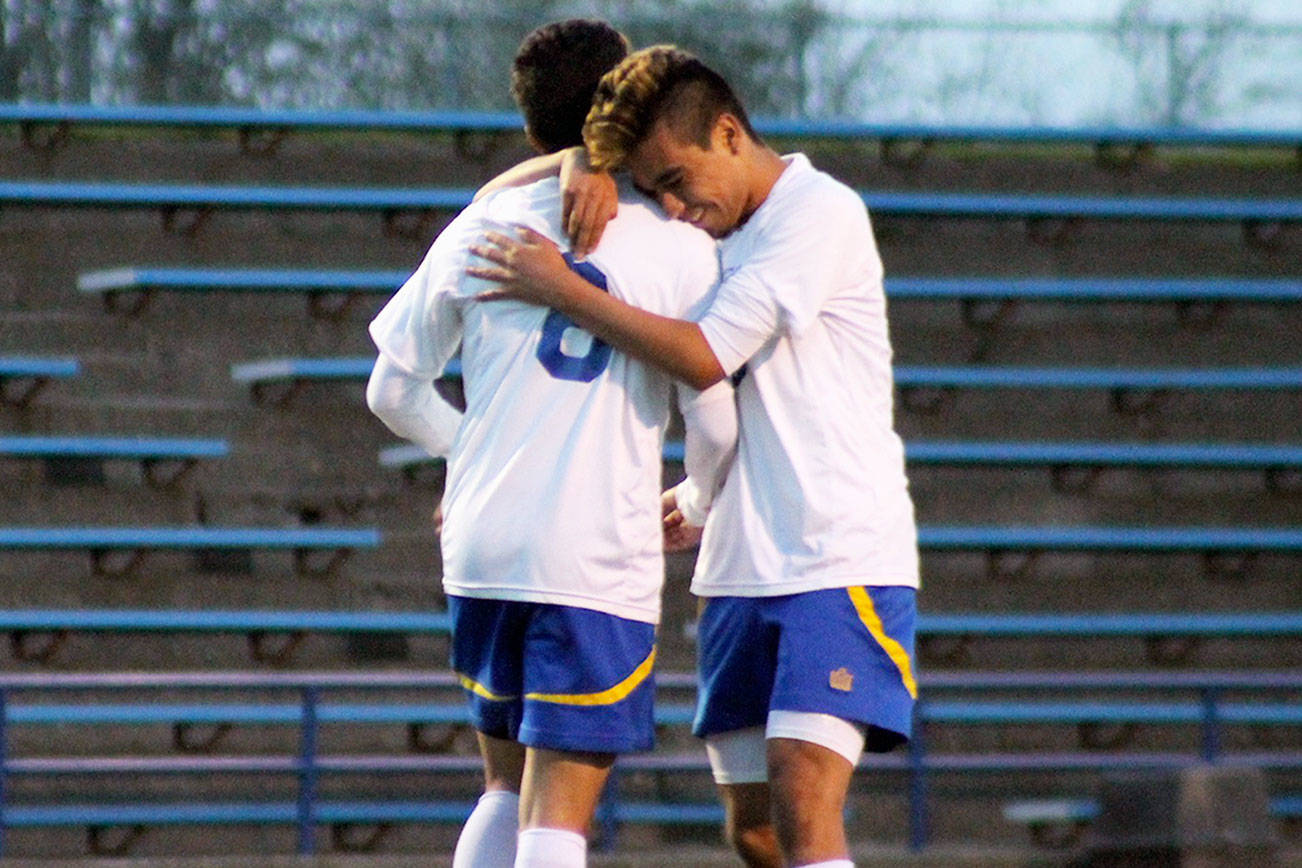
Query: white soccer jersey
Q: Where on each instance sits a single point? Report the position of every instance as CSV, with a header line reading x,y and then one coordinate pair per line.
x,y
818,497
553,488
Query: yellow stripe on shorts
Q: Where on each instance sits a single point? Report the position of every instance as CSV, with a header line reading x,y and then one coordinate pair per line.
x,y
480,690
604,697
863,603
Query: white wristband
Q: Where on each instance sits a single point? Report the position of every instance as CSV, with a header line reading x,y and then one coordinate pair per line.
x,y
688,497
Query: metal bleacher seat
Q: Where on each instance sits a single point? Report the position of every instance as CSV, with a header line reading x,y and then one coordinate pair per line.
x,y
199,200
330,293
130,289
119,550
923,388
97,700
186,206
927,388
1012,551
254,125
273,635
989,301
260,130
22,377
1168,637
277,381
1074,464
163,460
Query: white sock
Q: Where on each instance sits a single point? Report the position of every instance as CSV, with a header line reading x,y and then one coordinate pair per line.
x,y
488,837
551,848
834,863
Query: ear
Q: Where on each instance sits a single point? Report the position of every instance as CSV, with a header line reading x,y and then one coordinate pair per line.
x,y
728,133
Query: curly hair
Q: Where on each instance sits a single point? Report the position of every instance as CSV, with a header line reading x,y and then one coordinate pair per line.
x,y
556,70
657,82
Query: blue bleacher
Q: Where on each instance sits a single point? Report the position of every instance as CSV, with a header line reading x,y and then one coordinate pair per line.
x,y
487,122
1119,381
927,388
272,635
141,284
27,375
171,198
989,301
144,282
118,550
1272,702
259,624
1277,461
153,453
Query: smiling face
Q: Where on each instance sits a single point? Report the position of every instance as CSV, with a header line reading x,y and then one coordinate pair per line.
x,y
706,187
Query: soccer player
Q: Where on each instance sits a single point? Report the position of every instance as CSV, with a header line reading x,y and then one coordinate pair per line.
x,y
551,536
809,563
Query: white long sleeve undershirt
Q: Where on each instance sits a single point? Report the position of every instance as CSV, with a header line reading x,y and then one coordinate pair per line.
x,y
411,408
709,446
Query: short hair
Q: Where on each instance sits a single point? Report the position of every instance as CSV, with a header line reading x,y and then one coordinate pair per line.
x,y
554,74
657,82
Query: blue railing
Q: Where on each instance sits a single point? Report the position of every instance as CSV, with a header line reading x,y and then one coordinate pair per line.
x,y
1217,702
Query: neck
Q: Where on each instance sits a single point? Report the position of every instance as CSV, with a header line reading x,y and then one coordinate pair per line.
x,y
764,169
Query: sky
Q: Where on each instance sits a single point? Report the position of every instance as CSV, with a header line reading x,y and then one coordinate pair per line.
x,y
1263,11
1007,75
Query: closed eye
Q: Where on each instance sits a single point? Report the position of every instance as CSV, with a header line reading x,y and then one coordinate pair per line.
x,y
669,181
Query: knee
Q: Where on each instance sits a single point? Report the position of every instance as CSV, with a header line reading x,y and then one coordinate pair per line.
x,y
757,845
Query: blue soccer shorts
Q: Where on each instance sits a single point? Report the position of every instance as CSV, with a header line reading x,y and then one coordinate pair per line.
x,y
847,652
555,677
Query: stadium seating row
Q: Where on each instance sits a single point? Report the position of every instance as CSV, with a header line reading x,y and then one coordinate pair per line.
x,y
1074,465
261,129
22,377
117,551
1011,551
187,206
921,387
985,301
36,634
1270,699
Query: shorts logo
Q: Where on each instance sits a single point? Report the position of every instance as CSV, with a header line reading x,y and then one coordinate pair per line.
x,y
841,679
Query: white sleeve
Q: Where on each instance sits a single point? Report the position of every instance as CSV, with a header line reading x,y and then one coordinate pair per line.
x,y
419,329
410,407
784,284
710,444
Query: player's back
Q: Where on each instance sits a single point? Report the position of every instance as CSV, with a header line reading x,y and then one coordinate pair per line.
x,y
553,486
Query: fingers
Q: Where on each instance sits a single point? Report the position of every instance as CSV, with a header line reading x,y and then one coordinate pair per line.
x,y
492,254
567,207
528,236
586,225
491,274
682,538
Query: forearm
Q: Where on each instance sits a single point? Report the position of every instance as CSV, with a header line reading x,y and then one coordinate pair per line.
x,y
411,408
675,346
532,169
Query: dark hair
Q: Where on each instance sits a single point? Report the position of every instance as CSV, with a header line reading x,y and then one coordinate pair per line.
x,y
555,73
654,83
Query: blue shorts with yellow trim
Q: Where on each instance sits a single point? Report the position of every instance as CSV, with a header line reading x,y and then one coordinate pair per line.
x,y
556,677
847,652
